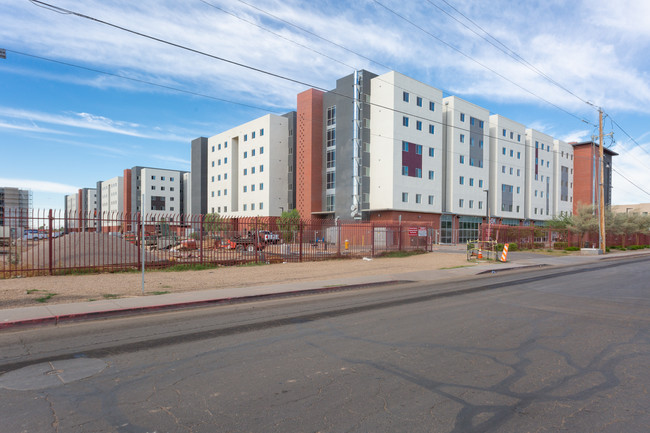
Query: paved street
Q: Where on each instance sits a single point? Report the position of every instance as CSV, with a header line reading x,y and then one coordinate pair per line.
x,y
544,350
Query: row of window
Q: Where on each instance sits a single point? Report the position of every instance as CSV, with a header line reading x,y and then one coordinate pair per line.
x,y
461,181
225,177
512,135
503,170
418,101
512,153
472,162
418,198
153,177
225,161
461,203
253,152
473,121
252,189
162,188
418,148
253,170
418,172
418,125
225,143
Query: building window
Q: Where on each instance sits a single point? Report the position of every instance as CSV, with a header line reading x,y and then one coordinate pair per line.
x,y
331,115
503,169
510,170
480,205
462,117
460,202
245,139
418,198
471,181
225,160
480,183
225,191
480,124
331,178
245,171
329,203
252,187
261,168
471,140
418,149
225,146
405,197
518,155
153,187
461,180
471,120
261,204
253,152
405,146
480,144
331,137
418,172
252,206
405,96
431,152
245,188
418,101
432,106
261,150
225,176
432,129
518,172
244,207
405,170
503,150
431,174
331,158
405,121
253,134
418,125
261,186
471,204
462,159
462,138
511,135
430,199
504,132
213,148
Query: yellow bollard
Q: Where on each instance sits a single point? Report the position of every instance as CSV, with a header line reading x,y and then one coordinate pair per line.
x,y
347,244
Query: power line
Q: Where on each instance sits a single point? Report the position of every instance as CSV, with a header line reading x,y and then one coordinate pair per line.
x,y
479,63
137,80
505,49
621,174
173,44
277,34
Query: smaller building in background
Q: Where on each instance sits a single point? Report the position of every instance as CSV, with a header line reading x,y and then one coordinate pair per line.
x,y
587,168
162,190
81,210
15,207
638,209
246,171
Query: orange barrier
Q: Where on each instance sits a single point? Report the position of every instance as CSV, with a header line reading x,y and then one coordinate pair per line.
x,y
504,254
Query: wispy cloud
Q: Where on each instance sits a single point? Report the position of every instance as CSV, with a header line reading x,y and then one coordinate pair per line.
x,y
172,159
39,185
84,121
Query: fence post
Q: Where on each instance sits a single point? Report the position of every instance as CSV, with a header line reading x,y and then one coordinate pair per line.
x,y
138,231
257,242
201,238
49,239
372,239
300,241
399,237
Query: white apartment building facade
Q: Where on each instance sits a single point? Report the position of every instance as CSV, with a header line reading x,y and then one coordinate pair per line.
x,y
248,168
507,169
406,147
161,191
111,195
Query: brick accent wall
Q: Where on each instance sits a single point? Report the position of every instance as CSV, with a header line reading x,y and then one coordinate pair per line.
x,y
309,153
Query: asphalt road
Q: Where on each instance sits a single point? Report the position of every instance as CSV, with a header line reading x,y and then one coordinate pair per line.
x,y
543,351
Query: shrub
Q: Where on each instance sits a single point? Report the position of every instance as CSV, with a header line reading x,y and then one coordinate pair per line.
x,y
572,249
538,245
560,245
636,247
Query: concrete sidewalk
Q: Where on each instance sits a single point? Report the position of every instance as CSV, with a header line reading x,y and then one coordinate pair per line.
x,y
57,313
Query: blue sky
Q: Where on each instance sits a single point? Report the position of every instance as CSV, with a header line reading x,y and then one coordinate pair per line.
x,y
63,127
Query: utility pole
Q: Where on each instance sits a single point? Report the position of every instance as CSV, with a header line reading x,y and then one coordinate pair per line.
x,y
601,189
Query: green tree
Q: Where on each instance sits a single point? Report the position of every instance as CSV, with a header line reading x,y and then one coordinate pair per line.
x,y
584,221
288,224
212,222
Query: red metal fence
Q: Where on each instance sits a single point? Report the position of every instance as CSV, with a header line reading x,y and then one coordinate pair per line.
x,y
48,242
530,237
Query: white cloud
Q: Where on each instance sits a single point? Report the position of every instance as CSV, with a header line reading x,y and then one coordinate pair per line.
x,y
39,185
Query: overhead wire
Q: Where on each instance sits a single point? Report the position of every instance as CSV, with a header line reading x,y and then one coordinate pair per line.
x,y
479,63
138,80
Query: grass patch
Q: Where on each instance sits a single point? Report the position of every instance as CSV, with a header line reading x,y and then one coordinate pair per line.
x,y
572,249
30,291
110,296
83,271
398,254
189,267
45,298
158,292
249,264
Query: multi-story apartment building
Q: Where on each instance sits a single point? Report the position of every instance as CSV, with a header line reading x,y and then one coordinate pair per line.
x,y
248,170
111,195
15,207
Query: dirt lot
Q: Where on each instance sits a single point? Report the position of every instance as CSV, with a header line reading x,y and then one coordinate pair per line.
x,y
21,292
